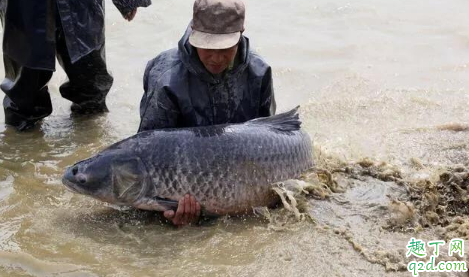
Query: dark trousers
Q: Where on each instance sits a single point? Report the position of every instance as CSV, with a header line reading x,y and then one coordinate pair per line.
x,y
27,98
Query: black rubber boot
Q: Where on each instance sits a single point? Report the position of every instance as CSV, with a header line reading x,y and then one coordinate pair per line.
x,y
89,108
20,121
27,99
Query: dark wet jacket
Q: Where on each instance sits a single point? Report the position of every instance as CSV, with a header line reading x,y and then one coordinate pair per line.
x,y
29,28
180,92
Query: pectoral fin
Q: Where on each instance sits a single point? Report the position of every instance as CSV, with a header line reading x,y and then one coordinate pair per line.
x,y
164,204
156,204
168,204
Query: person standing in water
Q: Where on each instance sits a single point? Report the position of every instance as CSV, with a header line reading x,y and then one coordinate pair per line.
x,y
212,77
35,32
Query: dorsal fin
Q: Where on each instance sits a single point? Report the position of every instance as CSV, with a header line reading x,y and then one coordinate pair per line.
x,y
287,121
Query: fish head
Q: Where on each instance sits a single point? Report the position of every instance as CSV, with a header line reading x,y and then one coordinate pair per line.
x,y
115,176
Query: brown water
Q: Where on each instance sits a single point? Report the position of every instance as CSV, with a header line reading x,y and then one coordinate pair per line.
x,y
387,80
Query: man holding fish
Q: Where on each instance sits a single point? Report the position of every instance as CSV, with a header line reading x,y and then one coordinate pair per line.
x,y
211,78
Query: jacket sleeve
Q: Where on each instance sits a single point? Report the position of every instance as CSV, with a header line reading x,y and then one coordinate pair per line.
x,y
267,104
3,9
157,108
126,6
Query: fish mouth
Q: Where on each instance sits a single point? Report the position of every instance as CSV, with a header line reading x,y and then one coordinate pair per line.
x,y
66,180
70,185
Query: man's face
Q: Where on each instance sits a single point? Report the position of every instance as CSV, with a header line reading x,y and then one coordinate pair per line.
x,y
217,60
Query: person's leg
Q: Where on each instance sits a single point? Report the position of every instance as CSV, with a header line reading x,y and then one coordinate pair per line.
x,y
27,98
88,79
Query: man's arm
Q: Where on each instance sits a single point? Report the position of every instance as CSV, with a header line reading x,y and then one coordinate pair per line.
x,y
267,105
157,108
158,111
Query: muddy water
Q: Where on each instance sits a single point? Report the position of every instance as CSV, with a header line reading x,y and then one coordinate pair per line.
x,y
384,80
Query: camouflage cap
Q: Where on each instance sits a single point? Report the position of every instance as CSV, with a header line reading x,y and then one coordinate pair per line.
x,y
217,24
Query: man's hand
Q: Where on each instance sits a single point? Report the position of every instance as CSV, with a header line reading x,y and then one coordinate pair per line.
x,y
188,211
130,15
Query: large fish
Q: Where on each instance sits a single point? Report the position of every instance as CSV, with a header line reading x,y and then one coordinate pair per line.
x,y
228,168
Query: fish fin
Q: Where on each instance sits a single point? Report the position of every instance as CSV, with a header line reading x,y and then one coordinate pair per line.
x,y
287,121
155,204
208,215
167,203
